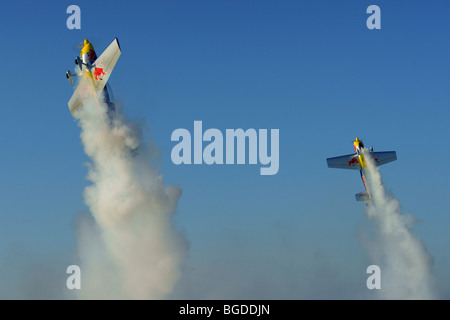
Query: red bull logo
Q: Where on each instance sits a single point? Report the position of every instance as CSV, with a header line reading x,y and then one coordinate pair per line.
x,y
353,161
98,73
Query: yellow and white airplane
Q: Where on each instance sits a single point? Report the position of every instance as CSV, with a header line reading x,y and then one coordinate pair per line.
x,y
356,161
94,74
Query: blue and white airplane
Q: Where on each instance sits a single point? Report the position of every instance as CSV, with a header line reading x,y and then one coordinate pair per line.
x,y
356,161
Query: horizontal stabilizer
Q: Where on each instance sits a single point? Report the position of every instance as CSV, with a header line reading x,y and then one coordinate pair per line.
x,y
362,196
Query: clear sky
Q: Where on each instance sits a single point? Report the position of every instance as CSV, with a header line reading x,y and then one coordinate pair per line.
x,y
313,70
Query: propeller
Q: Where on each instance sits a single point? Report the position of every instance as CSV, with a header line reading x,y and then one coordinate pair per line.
x,y
79,45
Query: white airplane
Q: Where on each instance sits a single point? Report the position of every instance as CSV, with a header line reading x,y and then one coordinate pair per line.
x,y
94,74
356,161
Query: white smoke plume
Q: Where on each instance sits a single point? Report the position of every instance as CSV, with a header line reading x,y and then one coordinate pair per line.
x,y
131,248
401,255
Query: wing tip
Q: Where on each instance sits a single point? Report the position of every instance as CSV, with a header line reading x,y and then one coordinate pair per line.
x,y
118,43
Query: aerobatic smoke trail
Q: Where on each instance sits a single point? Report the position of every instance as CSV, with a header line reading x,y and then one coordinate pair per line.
x,y
401,255
131,248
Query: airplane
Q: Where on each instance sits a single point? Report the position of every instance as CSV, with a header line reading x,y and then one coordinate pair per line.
x,y
94,73
356,161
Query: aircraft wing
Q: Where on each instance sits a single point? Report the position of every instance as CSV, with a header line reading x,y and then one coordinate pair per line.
x,y
384,157
78,97
104,65
349,161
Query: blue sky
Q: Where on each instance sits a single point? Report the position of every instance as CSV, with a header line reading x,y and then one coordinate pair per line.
x,y
312,70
